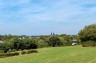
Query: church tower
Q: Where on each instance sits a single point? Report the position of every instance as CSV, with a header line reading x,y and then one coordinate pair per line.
x,y
52,34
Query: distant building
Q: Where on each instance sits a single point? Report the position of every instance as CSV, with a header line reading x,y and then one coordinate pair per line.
x,y
74,42
52,34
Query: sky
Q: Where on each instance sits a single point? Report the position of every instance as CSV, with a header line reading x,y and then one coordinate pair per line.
x,y
41,17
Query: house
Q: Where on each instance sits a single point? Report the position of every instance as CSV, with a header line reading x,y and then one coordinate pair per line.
x,y
74,42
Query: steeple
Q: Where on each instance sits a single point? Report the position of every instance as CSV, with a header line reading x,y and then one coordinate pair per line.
x,y
53,33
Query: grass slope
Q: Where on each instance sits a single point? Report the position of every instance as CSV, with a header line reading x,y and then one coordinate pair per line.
x,y
70,54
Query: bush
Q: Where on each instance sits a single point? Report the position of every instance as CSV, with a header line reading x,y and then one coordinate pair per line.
x,y
87,43
14,54
9,54
2,55
30,43
23,52
32,51
1,51
54,41
42,43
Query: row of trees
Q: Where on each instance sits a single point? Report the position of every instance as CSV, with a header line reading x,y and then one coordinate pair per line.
x,y
16,43
86,36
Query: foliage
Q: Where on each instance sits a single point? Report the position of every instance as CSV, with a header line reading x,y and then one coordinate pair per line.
x,y
17,44
30,44
9,54
23,44
5,47
32,51
54,41
62,41
87,43
45,38
42,43
66,39
88,33
23,52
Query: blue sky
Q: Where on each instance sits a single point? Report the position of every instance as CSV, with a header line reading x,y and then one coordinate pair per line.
x,y
38,17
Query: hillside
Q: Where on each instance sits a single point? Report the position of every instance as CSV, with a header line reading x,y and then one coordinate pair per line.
x,y
69,54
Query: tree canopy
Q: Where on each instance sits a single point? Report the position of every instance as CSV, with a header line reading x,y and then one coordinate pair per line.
x,y
88,34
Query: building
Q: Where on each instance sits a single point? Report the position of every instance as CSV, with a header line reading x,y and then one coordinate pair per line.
x,y
74,42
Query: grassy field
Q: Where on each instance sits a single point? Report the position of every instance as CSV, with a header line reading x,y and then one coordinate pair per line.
x,y
69,54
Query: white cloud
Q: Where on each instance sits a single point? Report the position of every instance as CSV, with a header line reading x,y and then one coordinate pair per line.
x,y
46,14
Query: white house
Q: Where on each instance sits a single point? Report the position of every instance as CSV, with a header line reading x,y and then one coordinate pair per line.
x,y
74,42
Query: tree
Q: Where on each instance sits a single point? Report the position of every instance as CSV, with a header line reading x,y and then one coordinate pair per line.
x,y
5,47
45,38
17,44
54,41
30,43
67,39
42,43
62,41
88,34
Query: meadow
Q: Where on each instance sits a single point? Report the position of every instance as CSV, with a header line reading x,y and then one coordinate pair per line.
x,y
68,54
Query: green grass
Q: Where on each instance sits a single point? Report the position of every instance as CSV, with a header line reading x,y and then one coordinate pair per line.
x,y
69,54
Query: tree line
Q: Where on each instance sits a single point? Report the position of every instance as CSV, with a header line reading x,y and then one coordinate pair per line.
x,y
86,37
15,43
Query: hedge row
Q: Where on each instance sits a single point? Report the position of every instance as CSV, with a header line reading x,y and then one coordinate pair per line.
x,y
9,54
23,52
3,55
29,52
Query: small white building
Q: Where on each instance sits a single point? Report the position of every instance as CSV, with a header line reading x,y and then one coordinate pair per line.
x,y
74,42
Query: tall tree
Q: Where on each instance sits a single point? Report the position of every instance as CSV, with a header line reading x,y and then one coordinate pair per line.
x,y
88,34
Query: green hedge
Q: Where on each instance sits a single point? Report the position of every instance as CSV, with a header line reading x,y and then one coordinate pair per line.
x,y
32,51
23,52
9,54
3,55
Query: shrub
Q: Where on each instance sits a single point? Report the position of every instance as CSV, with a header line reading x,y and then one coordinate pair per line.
x,y
17,44
30,43
1,51
2,55
9,54
23,52
42,43
87,43
54,41
32,51
15,54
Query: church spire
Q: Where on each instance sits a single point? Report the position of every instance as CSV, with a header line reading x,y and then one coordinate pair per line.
x,y
53,33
